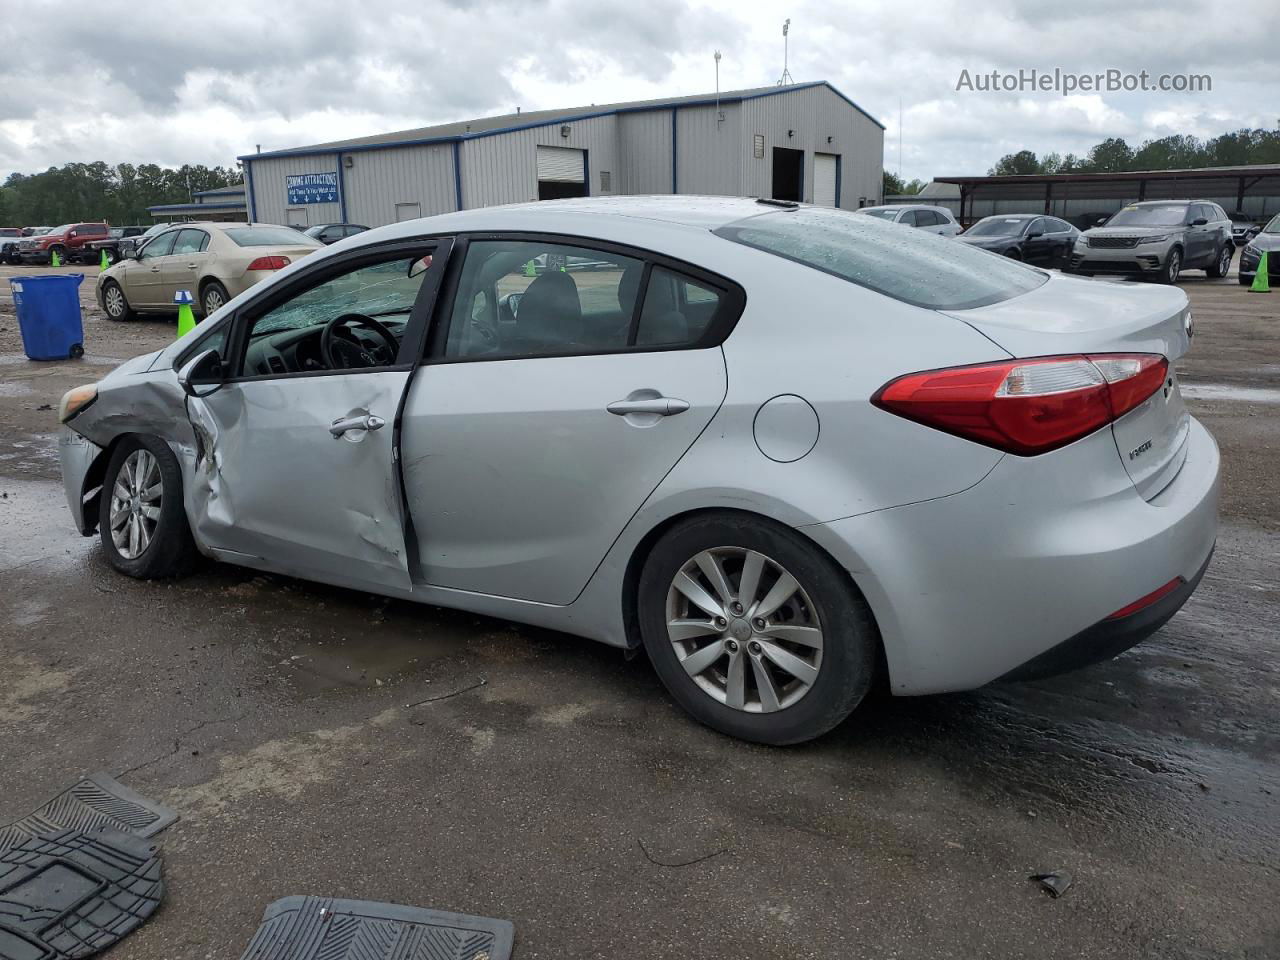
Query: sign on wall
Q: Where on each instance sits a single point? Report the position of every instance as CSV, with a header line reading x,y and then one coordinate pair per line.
x,y
312,188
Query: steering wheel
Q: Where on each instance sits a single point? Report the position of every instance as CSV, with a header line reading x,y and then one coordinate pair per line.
x,y
341,353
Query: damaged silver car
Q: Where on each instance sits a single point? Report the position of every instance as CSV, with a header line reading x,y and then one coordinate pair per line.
x,y
786,449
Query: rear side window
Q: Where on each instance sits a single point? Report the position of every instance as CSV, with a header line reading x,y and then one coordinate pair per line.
x,y
912,266
676,310
269,237
190,241
911,218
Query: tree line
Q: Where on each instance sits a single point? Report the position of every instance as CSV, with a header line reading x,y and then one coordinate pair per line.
x,y
118,194
1177,152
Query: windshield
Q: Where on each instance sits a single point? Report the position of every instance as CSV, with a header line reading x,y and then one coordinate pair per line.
x,y
881,213
269,237
996,227
62,229
314,231
1273,226
914,266
152,231
380,290
1169,216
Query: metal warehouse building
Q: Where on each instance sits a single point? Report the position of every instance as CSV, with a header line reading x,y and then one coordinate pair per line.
x,y
799,142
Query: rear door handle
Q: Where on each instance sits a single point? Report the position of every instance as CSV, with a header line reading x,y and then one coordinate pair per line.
x,y
366,422
662,406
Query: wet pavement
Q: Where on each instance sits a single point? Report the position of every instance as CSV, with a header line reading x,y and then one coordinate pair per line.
x,y
330,742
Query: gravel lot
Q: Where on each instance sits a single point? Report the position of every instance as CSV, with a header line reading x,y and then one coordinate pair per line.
x,y
568,794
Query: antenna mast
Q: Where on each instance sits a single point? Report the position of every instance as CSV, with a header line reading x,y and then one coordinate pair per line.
x,y
786,73
719,115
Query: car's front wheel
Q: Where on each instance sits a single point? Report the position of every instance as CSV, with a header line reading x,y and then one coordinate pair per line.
x,y
1222,263
142,522
1172,267
753,630
114,303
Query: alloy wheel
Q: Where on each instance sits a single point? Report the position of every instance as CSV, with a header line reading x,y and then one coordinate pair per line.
x,y
1175,266
114,301
135,504
744,629
1224,260
212,300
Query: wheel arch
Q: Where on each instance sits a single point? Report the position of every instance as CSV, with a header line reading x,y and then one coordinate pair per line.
x,y
640,553
91,486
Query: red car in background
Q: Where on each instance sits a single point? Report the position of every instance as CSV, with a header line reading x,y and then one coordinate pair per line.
x,y
69,241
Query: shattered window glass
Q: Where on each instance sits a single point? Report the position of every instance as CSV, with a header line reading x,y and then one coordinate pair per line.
x,y
914,266
378,290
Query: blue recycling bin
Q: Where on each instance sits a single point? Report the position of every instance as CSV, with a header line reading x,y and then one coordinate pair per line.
x,y
49,315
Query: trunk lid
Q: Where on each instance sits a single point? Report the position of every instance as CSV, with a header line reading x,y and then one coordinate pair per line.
x,y
1069,315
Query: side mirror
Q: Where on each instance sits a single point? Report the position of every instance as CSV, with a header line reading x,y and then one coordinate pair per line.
x,y
1032,234
1199,222
204,369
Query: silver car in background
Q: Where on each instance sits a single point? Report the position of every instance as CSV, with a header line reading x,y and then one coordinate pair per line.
x,y
781,447
931,219
1159,239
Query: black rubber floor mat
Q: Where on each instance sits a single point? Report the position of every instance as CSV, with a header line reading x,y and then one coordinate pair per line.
x,y
97,801
72,894
316,928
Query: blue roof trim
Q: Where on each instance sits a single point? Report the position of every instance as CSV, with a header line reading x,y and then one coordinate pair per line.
x,y
458,138
197,206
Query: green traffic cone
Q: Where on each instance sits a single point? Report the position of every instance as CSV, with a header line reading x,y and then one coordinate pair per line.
x,y
529,271
103,263
54,259
1261,282
186,319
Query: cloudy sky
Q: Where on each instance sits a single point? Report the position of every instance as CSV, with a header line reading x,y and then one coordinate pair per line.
x,y
129,82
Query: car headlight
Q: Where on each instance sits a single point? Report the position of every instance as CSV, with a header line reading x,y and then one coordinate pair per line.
x,y
1160,239
1250,252
75,400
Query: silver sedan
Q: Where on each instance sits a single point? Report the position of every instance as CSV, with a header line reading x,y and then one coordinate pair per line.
x,y
787,450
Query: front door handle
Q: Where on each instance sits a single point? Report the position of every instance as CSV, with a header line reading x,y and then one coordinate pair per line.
x,y
366,422
662,406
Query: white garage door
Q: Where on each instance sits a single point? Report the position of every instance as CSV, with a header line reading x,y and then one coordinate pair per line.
x,y
561,164
824,179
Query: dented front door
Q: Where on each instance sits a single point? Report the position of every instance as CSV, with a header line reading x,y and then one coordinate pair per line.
x,y
298,475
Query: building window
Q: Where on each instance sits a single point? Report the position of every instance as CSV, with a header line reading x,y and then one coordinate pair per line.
x,y
297,217
408,211
606,181
758,149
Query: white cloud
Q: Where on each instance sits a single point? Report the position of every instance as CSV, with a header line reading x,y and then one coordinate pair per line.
x,y
204,85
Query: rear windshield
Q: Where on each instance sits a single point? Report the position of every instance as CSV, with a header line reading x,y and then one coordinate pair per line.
x,y
1171,216
995,227
882,214
914,266
269,237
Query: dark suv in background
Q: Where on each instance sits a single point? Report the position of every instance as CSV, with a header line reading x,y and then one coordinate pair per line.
x,y
1158,238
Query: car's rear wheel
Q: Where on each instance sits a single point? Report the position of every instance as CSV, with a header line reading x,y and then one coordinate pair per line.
x,y
1013,253
113,256
753,630
114,303
1172,267
212,297
141,519
1222,263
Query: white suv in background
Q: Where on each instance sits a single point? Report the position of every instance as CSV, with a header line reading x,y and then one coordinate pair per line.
x,y
934,219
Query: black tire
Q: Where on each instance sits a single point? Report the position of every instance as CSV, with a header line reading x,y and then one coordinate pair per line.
x,y
851,640
211,288
113,256
1013,253
172,551
1221,262
109,303
76,351
61,251
1170,269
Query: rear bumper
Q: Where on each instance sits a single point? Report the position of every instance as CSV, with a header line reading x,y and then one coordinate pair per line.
x,y
969,588
1108,638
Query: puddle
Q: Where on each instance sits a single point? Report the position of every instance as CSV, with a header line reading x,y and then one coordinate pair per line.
x,y
36,531
34,456
15,388
1226,391
368,661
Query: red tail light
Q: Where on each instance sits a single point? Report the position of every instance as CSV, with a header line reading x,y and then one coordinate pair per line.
x,y
1027,406
1144,602
269,263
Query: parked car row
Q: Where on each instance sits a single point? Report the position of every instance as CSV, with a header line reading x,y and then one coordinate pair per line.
x,y
1155,238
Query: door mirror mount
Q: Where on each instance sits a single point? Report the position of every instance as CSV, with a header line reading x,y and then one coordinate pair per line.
x,y
1199,222
204,370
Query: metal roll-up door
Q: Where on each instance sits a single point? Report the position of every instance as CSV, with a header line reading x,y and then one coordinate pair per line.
x,y
824,179
561,165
